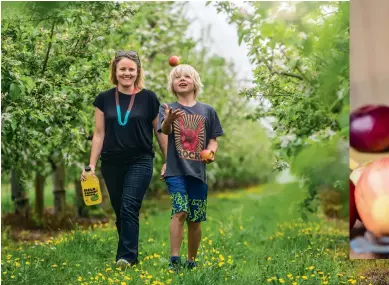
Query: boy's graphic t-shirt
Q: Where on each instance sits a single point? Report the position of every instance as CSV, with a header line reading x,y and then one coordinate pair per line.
x,y
191,134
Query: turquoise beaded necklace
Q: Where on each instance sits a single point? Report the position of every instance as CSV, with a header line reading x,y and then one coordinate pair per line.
x,y
118,111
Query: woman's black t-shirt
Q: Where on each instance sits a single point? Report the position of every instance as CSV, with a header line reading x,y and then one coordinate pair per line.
x,y
123,144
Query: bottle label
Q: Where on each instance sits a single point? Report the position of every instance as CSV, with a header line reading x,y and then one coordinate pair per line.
x,y
90,191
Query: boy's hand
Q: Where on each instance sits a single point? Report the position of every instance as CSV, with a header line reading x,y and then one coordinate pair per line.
x,y
163,169
209,159
171,115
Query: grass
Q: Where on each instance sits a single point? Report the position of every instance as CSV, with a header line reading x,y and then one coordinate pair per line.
x,y
254,236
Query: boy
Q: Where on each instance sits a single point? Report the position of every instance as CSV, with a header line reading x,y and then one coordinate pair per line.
x,y
191,126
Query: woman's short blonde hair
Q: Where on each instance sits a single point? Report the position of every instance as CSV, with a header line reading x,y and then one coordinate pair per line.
x,y
184,69
140,79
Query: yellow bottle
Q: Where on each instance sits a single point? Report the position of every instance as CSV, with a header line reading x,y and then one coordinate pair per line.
x,y
91,188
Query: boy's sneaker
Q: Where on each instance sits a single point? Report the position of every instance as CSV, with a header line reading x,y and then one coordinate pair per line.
x,y
175,263
190,264
122,263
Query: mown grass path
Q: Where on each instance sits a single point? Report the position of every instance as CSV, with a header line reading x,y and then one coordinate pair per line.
x,y
253,236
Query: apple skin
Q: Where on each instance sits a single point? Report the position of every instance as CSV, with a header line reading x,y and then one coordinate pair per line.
x,y
174,60
206,154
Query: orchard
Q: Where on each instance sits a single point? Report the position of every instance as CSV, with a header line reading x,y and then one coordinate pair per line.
x,y
55,61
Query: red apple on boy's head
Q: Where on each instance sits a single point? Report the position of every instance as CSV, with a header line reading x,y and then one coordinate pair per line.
x,y
174,60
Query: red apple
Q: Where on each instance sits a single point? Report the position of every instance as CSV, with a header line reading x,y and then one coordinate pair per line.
x,y
206,154
369,130
372,197
174,60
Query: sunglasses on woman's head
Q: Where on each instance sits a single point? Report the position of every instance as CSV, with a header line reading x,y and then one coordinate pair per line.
x,y
126,53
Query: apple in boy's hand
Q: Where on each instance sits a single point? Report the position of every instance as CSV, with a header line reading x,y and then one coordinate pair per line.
x,y
174,60
206,154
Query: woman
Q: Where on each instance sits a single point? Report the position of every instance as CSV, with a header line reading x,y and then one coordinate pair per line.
x,y
125,117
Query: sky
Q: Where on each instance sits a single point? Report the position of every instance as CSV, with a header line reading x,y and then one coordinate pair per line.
x,y
224,36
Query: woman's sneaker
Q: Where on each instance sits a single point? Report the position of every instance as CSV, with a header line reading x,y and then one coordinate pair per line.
x,y
122,263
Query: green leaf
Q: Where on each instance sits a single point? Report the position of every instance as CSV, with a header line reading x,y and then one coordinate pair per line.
x,y
13,125
14,91
29,83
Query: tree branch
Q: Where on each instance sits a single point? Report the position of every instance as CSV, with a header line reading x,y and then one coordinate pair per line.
x,y
288,74
270,67
40,20
49,47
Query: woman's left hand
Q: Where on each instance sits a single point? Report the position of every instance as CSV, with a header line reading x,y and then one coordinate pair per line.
x,y
163,169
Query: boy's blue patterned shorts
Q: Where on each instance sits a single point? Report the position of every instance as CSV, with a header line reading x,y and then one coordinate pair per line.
x,y
188,194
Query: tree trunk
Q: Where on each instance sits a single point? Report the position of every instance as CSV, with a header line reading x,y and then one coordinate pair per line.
x,y
39,195
59,189
19,195
82,209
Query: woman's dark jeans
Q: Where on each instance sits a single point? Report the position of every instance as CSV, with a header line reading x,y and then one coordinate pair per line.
x,y
127,185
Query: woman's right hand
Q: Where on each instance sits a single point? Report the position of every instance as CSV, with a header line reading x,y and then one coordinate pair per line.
x,y
83,178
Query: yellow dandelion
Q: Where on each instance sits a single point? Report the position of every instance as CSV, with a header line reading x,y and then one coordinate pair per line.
x,y
269,280
54,265
12,276
325,282
362,277
79,278
304,277
281,280
17,264
311,267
